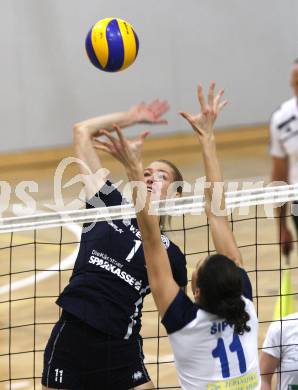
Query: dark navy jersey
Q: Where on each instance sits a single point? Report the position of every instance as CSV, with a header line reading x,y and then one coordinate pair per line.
x,y
109,280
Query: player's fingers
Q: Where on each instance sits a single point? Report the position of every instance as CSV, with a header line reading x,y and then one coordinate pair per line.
x,y
201,98
186,116
103,143
111,138
107,133
163,106
143,135
211,94
98,133
101,132
222,105
103,149
103,146
217,98
161,109
152,105
161,121
120,134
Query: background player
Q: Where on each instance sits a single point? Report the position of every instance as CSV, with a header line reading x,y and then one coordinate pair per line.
x,y
284,152
96,343
214,340
280,353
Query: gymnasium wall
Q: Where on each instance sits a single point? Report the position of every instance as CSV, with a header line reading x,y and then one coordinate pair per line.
x,y
47,83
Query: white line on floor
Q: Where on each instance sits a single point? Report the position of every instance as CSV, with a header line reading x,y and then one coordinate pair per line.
x,y
162,358
18,385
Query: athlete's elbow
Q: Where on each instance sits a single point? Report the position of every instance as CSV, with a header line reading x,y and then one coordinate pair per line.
x,y
79,130
80,134
77,127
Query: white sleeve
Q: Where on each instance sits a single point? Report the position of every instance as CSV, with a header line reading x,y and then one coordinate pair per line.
x,y
276,147
272,343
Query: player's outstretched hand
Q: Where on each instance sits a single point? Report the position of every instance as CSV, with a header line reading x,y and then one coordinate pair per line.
x,y
127,151
151,113
203,122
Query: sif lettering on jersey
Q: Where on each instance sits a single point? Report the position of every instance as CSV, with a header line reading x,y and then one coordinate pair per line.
x,y
218,327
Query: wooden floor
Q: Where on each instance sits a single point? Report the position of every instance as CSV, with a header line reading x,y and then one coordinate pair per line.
x,y
52,253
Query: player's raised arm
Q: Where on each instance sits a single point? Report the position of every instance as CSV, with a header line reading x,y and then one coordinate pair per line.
x,y
203,125
86,131
128,152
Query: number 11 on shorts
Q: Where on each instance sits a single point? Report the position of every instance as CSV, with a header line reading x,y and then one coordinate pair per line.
x,y
58,375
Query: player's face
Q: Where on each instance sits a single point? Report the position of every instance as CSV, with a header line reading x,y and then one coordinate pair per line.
x,y
294,79
194,278
158,177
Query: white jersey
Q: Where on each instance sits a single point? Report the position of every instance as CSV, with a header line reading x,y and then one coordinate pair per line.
x,y
208,353
284,136
281,342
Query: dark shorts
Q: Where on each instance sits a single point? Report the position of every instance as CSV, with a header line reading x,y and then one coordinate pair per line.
x,y
79,357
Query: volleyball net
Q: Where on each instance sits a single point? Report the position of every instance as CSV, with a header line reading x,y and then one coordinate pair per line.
x,y
37,254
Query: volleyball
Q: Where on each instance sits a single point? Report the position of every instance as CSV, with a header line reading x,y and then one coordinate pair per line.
x,y
112,45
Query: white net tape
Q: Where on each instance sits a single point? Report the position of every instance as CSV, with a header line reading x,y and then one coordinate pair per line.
x,y
276,195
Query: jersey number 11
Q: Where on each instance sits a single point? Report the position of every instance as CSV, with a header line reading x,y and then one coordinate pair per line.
x,y
220,352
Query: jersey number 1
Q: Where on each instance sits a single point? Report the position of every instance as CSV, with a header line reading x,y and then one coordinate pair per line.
x,y
220,352
134,250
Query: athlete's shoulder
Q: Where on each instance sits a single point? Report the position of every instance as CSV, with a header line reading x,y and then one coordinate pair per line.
x,y
107,195
285,325
293,316
177,260
169,244
180,313
284,110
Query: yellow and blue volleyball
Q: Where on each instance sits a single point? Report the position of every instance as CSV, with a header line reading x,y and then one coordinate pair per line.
x,y
112,45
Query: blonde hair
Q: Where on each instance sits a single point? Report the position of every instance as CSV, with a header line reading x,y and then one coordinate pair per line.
x,y
166,219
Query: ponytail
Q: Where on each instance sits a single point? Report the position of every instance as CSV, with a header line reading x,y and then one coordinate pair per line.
x,y
233,310
221,288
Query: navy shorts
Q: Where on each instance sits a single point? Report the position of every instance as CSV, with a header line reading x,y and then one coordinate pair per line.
x,y
79,357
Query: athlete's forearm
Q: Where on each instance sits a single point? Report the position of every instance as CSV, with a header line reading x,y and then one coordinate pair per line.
x,y
265,385
147,223
223,238
162,284
93,125
85,131
213,174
